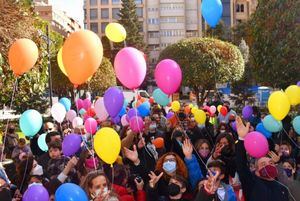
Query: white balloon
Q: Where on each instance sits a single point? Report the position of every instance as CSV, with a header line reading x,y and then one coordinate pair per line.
x,y
58,112
100,109
77,121
213,109
71,114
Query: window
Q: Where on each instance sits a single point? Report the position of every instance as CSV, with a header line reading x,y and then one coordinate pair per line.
x,y
93,2
104,2
104,13
153,34
93,14
242,8
139,12
94,27
237,8
115,12
115,1
138,1
85,15
153,21
85,26
103,26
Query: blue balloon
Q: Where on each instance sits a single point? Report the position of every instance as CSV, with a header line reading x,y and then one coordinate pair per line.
x,y
30,122
161,98
125,103
144,109
66,102
271,124
296,124
260,128
212,11
70,192
82,111
122,112
42,142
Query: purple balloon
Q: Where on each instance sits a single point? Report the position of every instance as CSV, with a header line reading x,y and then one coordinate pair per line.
x,y
247,112
136,124
116,119
132,113
71,144
233,126
298,83
169,115
36,193
113,101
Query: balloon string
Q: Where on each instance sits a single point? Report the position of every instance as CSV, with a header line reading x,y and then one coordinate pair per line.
x,y
286,133
8,120
112,176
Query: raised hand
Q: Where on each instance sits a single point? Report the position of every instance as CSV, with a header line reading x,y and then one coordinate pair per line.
x,y
218,151
212,183
154,179
274,156
187,149
141,143
132,155
139,185
242,130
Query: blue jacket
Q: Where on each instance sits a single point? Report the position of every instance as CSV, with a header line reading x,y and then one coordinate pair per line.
x,y
195,174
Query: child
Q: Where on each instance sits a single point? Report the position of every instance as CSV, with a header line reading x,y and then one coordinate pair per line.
x,y
20,150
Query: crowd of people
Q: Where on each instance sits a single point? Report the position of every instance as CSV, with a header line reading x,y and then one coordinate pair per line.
x,y
193,162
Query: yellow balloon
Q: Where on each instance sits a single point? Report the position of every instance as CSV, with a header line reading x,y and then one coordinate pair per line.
x,y
107,145
200,116
175,106
194,109
191,105
293,93
279,105
60,62
219,108
115,32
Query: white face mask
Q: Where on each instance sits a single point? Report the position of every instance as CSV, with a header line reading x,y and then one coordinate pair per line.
x,y
34,183
98,191
38,170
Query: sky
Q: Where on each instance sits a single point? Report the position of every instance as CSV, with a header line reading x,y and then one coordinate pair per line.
x,y
73,8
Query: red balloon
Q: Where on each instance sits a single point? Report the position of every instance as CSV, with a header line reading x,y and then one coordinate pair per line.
x,y
159,143
91,112
223,110
151,100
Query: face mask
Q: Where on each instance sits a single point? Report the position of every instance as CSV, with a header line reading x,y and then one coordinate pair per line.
x,y
286,153
169,166
288,172
173,189
89,163
203,153
268,172
38,171
34,183
222,131
97,192
152,127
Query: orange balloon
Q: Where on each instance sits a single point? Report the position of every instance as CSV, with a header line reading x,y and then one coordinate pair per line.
x,y
138,103
82,55
187,109
159,143
22,56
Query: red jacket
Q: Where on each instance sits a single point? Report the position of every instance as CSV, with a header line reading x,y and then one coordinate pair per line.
x,y
125,196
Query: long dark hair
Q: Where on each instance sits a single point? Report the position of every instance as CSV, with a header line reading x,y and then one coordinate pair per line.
x,y
23,172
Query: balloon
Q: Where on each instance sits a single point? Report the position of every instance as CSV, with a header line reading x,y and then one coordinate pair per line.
x,y
212,11
296,124
82,55
87,103
116,120
158,142
66,103
271,124
77,121
170,115
136,124
30,122
122,112
247,112
113,101
60,62
71,144
42,142
71,114
144,109
194,109
160,97
256,144
293,93
58,112
91,125
187,110
79,103
168,76
70,192
213,109
223,111
298,83
82,111
200,116
91,112
36,192
100,109
279,105
219,108
233,126
151,100
124,121
175,106
260,128
22,56
132,113
130,67
191,105
107,144
115,32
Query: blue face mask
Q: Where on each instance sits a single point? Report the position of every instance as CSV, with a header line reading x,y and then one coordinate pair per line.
x,y
288,172
169,166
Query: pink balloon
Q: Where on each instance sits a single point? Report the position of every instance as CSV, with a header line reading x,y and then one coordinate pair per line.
x,y
77,121
256,144
100,110
130,67
87,103
79,104
71,114
91,125
168,76
136,124
213,109
124,120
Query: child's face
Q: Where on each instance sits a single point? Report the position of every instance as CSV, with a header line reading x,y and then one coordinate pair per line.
x,y
54,153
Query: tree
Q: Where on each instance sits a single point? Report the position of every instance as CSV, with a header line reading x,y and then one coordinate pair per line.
x,y
205,62
275,49
130,21
107,51
244,48
221,32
